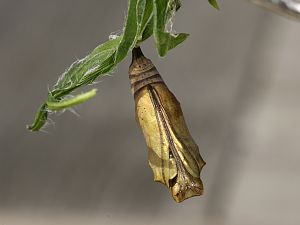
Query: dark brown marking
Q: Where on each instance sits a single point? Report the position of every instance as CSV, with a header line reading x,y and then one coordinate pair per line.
x,y
158,106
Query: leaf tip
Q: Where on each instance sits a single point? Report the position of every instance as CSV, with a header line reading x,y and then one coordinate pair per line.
x,y
214,3
39,120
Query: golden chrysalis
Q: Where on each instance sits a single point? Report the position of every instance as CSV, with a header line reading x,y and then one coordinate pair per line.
x,y
172,153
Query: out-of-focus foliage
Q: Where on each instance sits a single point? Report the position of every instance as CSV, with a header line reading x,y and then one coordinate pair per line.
x,y
214,3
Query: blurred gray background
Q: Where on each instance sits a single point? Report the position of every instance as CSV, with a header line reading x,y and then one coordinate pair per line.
x,y
237,78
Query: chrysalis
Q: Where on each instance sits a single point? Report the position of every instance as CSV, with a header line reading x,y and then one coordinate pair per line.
x,y
172,153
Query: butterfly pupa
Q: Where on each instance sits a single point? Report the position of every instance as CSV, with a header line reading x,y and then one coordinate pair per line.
x,y
172,153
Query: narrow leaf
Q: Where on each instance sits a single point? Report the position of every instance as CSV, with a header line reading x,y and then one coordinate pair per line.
x,y
54,106
39,119
214,3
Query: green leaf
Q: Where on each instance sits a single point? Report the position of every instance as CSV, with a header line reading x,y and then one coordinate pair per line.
x,y
147,22
214,3
163,11
130,31
148,31
54,106
39,119
86,70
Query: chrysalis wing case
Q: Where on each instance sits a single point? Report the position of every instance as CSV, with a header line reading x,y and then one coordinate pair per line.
x,y
173,155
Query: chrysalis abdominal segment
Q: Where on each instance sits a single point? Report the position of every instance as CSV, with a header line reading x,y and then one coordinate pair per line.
x,y
173,155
